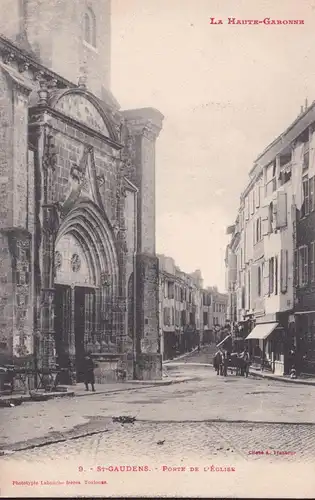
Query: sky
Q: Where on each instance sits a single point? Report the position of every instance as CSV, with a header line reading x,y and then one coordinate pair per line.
x,y
226,91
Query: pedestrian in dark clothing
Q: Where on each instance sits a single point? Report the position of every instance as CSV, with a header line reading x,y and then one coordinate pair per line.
x,y
225,362
217,361
88,369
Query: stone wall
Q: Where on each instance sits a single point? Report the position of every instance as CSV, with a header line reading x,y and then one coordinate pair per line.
x,y
55,28
16,317
148,367
69,147
147,303
6,152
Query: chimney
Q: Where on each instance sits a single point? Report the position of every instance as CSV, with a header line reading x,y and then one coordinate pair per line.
x,y
306,104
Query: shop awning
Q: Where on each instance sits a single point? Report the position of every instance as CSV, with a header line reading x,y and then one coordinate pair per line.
x,y
262,331
222,341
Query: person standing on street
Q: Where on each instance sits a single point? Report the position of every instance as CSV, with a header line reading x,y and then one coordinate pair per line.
x,y
217,361
88,368
246,362
225,362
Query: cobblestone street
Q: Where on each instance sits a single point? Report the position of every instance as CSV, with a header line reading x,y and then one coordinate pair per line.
x,y
211,421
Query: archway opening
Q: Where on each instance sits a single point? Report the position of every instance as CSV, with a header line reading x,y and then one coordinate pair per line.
x,y
85,287
75,301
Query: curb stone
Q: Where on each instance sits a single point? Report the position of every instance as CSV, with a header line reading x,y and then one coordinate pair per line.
x,y
180,357
144,386
28,398
277,378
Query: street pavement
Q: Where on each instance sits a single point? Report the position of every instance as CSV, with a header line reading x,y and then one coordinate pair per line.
x,y
209,421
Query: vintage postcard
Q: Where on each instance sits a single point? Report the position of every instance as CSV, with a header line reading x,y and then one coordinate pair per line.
x,y
157,248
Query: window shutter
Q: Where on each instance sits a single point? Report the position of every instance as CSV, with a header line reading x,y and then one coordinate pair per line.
x,y
249,242
284,271
266,278
264,221
281,210
252,201
257,196
247,208
254,284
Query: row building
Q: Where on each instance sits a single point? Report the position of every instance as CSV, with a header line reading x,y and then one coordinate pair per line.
x,y
270,256
189,314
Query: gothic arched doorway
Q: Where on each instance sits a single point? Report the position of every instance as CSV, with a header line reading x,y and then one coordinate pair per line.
x,y
86,280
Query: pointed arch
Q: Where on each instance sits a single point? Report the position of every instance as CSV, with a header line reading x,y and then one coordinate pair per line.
x,y
88,226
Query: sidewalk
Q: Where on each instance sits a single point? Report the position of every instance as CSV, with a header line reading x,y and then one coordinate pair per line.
x,y
255,373
282,378
180,357
79,390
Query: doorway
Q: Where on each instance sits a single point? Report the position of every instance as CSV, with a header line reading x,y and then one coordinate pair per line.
x,y
74,312
84,325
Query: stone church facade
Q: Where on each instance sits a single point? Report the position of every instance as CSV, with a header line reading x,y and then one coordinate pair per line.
x,y
78,269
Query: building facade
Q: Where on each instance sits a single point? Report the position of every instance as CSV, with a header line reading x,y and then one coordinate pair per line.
x,y
189,314
78,267
179,308
270,256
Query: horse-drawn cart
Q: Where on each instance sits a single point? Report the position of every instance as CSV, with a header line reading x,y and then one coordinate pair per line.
x,y
230,363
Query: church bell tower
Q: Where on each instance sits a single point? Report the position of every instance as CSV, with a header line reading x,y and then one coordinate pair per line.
x,y
72,38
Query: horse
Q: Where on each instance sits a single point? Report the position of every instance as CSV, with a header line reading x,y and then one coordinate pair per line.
x,y
238,363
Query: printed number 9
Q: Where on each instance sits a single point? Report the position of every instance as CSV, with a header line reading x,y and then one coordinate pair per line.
x,y
80,468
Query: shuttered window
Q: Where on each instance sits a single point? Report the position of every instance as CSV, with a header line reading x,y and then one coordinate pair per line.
x,y
284,271
305,210
259,281
303,265
271,275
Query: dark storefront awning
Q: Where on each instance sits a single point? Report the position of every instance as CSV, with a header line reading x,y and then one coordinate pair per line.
x,y
222,341
262,331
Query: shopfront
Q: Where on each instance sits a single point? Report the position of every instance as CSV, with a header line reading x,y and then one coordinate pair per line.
x,y
305,341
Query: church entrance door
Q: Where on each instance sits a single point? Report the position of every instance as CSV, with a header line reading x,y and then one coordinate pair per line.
x,y
84,325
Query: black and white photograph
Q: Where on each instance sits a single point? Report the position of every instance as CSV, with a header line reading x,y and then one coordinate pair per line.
x,y
157,248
